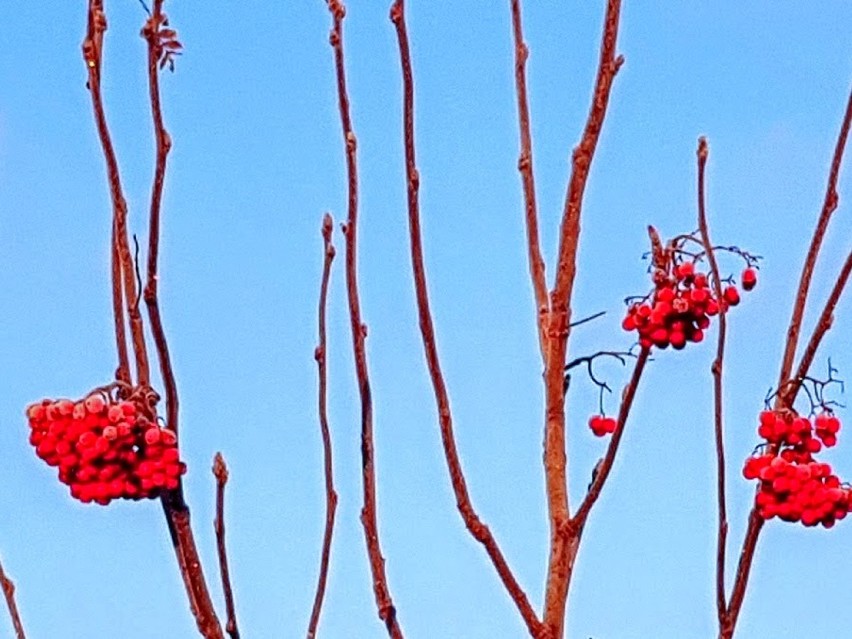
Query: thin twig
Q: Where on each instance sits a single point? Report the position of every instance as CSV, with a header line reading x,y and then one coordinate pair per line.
x,y
525,167
825,320
755,522
174,506
384,602
9,594
122,373
828,207
474,524
220,471
322,365
563,548
579,520
93,56
717,370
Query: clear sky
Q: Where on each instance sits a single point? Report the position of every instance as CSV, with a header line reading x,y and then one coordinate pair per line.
x,y
257,160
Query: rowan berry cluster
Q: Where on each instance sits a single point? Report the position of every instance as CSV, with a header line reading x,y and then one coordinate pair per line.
x,y
601,425
793,485
105,448
681,305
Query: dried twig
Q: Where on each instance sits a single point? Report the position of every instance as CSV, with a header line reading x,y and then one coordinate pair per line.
x,y
9,594
330,494
384,602
220,471
474,524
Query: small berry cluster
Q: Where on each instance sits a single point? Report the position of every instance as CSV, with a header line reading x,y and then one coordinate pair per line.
x,y
793,485
105,448
601,425
681,306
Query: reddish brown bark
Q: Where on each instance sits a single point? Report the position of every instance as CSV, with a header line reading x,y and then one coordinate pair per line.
x,y
9,595
563,547
220,472
384,602
322,365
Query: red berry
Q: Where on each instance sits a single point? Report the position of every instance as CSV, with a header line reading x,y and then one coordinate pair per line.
x,y
731,295
749,279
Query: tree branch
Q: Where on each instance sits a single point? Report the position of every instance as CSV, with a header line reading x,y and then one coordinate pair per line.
x,y
384,602
716,369
525,167
322,365
93,55
755,523
9,594
220,471
562,548
828,207
474,524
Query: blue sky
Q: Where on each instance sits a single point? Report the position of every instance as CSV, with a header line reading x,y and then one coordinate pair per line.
x,y
257,160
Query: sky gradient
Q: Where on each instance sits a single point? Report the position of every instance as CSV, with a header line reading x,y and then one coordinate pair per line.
x,y
258,159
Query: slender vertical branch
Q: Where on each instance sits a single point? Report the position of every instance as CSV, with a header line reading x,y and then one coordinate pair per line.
x,y
563,548
828,207
122,372
93,55
525,168
755,522
717,370
174,506
220,471
474,524
150,32
9,594
322,365
384,602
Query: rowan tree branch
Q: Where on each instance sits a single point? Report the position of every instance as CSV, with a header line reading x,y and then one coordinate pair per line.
x,y
384,602
96,25
755,522
828,207
322,365
471,519
563,548
717,370
525,168
220,472
9,594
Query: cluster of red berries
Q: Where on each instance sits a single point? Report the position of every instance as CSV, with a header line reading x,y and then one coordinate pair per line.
x,y
105,448
601,425
793,485
681,306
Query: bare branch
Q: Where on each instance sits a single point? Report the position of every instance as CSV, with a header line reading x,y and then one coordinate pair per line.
x,y
330,494
474,524
716,369
384,602
9,594
220,471
525,167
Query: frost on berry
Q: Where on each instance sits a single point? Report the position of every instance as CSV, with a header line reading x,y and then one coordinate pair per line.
x,y
106,447
794,486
